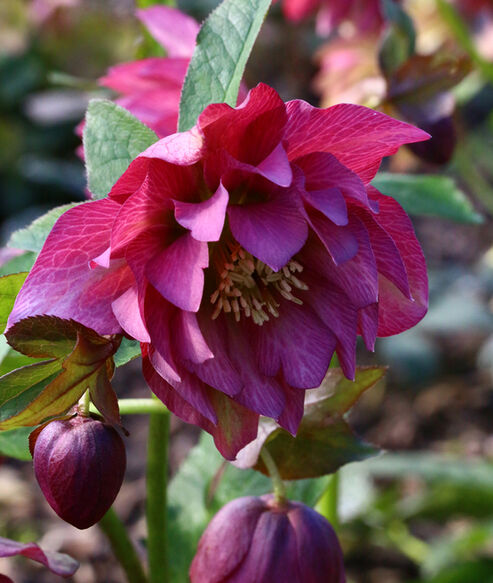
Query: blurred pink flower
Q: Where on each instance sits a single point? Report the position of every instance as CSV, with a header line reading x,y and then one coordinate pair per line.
x,y
242,254
150,88
365,15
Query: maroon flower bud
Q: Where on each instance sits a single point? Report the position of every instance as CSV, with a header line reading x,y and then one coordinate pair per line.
x,y
79,464
256,540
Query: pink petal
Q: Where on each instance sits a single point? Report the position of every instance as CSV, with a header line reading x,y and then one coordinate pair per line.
x,y
126,309
62,284
183,149
276,167
340,242
189,342
250,132
368,324
177,272
299,9
272,231
218,372
330,202
389,261
323,171
137,77
58,563
396,312
297,342
236,427
205,220
173,29
357,136
292,414
195,392
337,312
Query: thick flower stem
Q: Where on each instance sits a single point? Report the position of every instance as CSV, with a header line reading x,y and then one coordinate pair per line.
x,y
156,505
122,547
275,476
139,407
328,503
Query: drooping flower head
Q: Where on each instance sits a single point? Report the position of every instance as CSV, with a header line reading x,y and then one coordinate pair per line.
x,y
242,254
364,15
256,539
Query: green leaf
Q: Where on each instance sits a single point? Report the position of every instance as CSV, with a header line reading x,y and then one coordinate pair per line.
x,y
436,196
399,39
32,238
9,288
223,46
18,264
113,137
324,441
129,350
15,443
81,360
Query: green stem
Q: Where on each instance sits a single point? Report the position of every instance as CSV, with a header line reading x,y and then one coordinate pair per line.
x,y
122,546
156,506
328,503
275,476
138,407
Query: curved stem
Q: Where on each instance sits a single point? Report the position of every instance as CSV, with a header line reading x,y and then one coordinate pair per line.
x,y
275,476
156,506
122,547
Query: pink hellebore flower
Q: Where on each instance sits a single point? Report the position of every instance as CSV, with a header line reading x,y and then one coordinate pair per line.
x,y
366,15
151,87
256,540
242,254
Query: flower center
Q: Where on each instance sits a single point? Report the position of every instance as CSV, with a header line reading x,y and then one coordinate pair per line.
x,y
248,286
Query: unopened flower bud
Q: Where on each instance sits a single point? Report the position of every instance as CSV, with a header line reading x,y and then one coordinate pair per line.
x,y
256,540
79,464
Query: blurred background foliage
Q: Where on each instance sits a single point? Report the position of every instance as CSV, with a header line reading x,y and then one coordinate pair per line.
x,y
421,513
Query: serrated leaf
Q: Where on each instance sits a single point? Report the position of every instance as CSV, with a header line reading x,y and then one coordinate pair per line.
x,y
9,288
223,46
324,441
18,264
81,360
436,196
15,443
32,237
113,137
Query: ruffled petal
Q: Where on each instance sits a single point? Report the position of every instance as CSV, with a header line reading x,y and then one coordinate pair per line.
x,y
205,220
340,242
249,132
357,136
189,341
127,311
396,312
272,231
297,342
177,272
62,283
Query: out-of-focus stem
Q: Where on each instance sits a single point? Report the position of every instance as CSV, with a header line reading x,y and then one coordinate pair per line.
x,y
122,547
139,407
156,504
328,503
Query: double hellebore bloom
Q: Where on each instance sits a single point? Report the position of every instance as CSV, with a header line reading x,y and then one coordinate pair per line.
x,y
256,540
79,464
242,254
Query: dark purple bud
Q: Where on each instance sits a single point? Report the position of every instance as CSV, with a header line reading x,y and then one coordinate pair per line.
x,y
79,464
256,540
